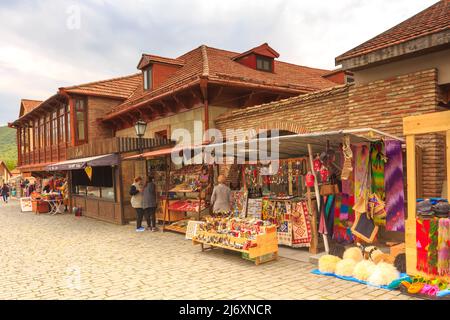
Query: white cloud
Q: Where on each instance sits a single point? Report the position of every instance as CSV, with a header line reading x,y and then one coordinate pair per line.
x,y
38,53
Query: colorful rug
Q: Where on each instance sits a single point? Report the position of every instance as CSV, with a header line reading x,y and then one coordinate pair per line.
x,y
301,226
422,242
342,228
393,184
443,247
361,178
377,162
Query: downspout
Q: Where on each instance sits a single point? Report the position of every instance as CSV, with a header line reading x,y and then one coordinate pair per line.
x,y
204,90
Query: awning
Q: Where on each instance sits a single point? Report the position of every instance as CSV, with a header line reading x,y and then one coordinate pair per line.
x,y
75,164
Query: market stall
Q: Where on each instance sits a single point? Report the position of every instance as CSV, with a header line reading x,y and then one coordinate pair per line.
x,y
428,223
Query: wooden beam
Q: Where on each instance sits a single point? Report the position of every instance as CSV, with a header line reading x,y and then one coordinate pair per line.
x,y
427,123
410,232
181,105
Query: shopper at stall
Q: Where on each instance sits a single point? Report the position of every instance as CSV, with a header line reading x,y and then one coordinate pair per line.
x,y
47,188
221,196
5,192
150,203
136,192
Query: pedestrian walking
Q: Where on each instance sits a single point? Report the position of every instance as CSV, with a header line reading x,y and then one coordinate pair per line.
x,y
5,192
136,192
150,203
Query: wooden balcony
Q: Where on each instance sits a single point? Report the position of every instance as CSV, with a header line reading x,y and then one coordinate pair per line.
x,y
113,145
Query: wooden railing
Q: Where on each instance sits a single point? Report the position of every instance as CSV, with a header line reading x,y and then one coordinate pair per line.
x,y
113,145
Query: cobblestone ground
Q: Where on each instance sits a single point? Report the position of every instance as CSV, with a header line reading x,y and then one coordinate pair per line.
x,y
63,257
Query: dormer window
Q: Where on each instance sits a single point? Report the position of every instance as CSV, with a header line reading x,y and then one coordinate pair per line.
x,y
148,79
264,64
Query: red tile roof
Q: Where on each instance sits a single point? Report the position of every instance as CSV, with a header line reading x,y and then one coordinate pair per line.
x,y
28,105
431,20
218,66
121,88
150,58
263,49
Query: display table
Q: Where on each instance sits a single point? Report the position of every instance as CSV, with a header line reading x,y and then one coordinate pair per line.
x,y
263,248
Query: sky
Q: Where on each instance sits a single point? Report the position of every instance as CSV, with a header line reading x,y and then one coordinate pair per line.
x,y
47,44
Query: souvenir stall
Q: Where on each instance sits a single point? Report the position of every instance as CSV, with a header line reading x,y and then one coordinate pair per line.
x,y
284,199
49,196
346,185
428,223
188,192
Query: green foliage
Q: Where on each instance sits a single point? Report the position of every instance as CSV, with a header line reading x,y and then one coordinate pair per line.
x,y
8,147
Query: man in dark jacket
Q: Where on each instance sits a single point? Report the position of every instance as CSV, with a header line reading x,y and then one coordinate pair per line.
x,y
5,192
150,203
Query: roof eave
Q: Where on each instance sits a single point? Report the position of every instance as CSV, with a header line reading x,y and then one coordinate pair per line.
x,y
421,45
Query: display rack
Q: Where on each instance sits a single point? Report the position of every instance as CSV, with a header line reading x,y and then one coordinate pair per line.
x,y
266,244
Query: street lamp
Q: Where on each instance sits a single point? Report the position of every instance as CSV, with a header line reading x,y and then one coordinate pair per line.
x,y
140,126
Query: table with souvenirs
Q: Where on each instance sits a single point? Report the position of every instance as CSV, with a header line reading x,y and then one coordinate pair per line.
x,y
52,203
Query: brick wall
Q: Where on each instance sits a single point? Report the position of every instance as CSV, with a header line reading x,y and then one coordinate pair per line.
x,y
97,108
380,105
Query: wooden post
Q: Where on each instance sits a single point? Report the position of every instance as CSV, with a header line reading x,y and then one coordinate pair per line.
x,y
410,232
316,190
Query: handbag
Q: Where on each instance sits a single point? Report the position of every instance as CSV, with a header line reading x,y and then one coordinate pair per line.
x,y
330,188
377,209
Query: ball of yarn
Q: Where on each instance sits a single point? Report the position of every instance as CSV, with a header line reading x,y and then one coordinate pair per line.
x,y
345,267
327,263
383,274
363,270
353,253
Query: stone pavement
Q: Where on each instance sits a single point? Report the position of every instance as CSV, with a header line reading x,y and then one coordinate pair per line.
x,y
63,257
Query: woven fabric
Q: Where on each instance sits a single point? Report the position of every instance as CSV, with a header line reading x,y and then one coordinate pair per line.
x,y
377,161
341,229
284,233
443,247
422,242
301,226
393,183
432,252
361,178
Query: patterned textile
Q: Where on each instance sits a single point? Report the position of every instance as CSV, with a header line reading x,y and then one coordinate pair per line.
x,y
393,184
423,240
377,161
433,246
301,226
443,247
284,233
266,212
361,178
327,215
341,229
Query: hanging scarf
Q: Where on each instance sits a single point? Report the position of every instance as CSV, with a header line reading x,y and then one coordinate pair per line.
x,y
422,242
433,246
361,154
443,247
341,232
377,161
393,183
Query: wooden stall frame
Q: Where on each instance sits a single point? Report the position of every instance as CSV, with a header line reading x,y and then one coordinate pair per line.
x,y
412,126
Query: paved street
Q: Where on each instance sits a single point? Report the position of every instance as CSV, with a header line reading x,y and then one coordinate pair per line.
x,y
63,257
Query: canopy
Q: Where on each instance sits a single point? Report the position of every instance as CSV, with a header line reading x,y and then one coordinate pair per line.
x,y
289,146
75,164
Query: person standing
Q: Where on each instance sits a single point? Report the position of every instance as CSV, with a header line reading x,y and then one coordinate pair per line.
x,y
5,192
136,192
221,196
150,203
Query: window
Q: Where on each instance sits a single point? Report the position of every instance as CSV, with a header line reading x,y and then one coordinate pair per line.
x,y
62,125
264,64
148,80
80,117
48,131
161,134
349,79
36,134
41,133
100,186
68,136
54,127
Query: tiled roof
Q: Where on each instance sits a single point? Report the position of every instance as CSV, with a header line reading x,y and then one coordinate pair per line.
x,y
122,87
431,20
29,105
218,66
149,58
285,102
